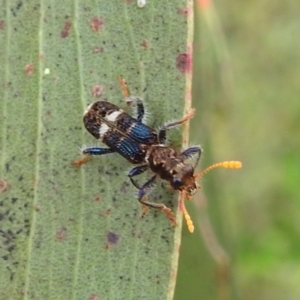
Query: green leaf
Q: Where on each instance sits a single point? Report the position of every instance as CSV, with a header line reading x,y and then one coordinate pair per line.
x,y
69,232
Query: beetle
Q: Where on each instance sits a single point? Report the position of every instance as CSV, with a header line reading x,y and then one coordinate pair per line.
x,y
146,147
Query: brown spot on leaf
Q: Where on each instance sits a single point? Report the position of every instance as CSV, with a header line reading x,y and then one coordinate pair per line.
x,y
97,198
2,25
96,24
29,69
98,49
65,32
107,212
184,11
144,44
184,62
4,185
94,297
37,208
61,234
97,90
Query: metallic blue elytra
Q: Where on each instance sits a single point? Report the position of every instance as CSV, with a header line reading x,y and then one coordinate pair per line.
x,y
143,134
125,146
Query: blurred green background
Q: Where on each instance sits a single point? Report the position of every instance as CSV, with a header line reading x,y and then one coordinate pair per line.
x,y
246,92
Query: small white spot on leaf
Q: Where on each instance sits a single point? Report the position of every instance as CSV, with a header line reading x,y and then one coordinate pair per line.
x,y
141,3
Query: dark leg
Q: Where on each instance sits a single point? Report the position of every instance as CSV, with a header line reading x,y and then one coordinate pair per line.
x,y
139,106
142,196
129,99
88,152
190,152
137,171
162,131
97,151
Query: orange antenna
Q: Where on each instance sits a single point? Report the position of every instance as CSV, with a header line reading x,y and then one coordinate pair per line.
x,y
124,86
186,215
232,164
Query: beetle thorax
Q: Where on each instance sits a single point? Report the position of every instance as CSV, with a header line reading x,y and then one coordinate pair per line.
x,y
165,162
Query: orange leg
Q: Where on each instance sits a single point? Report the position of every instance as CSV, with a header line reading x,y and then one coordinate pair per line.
x,y
82,160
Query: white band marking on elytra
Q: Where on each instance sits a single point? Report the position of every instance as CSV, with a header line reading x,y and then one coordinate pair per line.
x,y
88,108
113,116
103,129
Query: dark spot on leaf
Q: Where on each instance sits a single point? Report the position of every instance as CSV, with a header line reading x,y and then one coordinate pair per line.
x,y
65,32
108,173
112,237
29,69
184,62
97,90
5,257
165,239
14,200
20,178
11,248
96,24
19,5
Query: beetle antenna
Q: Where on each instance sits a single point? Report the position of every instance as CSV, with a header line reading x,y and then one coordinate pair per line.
x,y
232,164
186,215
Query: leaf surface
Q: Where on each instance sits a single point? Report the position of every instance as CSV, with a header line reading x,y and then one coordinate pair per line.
x,y
76,233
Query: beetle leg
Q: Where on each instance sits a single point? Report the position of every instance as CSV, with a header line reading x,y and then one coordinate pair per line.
x,y
130,99
140,110
142,196
137,171
162,131
188,153
88,152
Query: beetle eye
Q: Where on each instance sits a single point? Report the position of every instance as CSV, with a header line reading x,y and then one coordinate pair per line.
x,y
177,182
